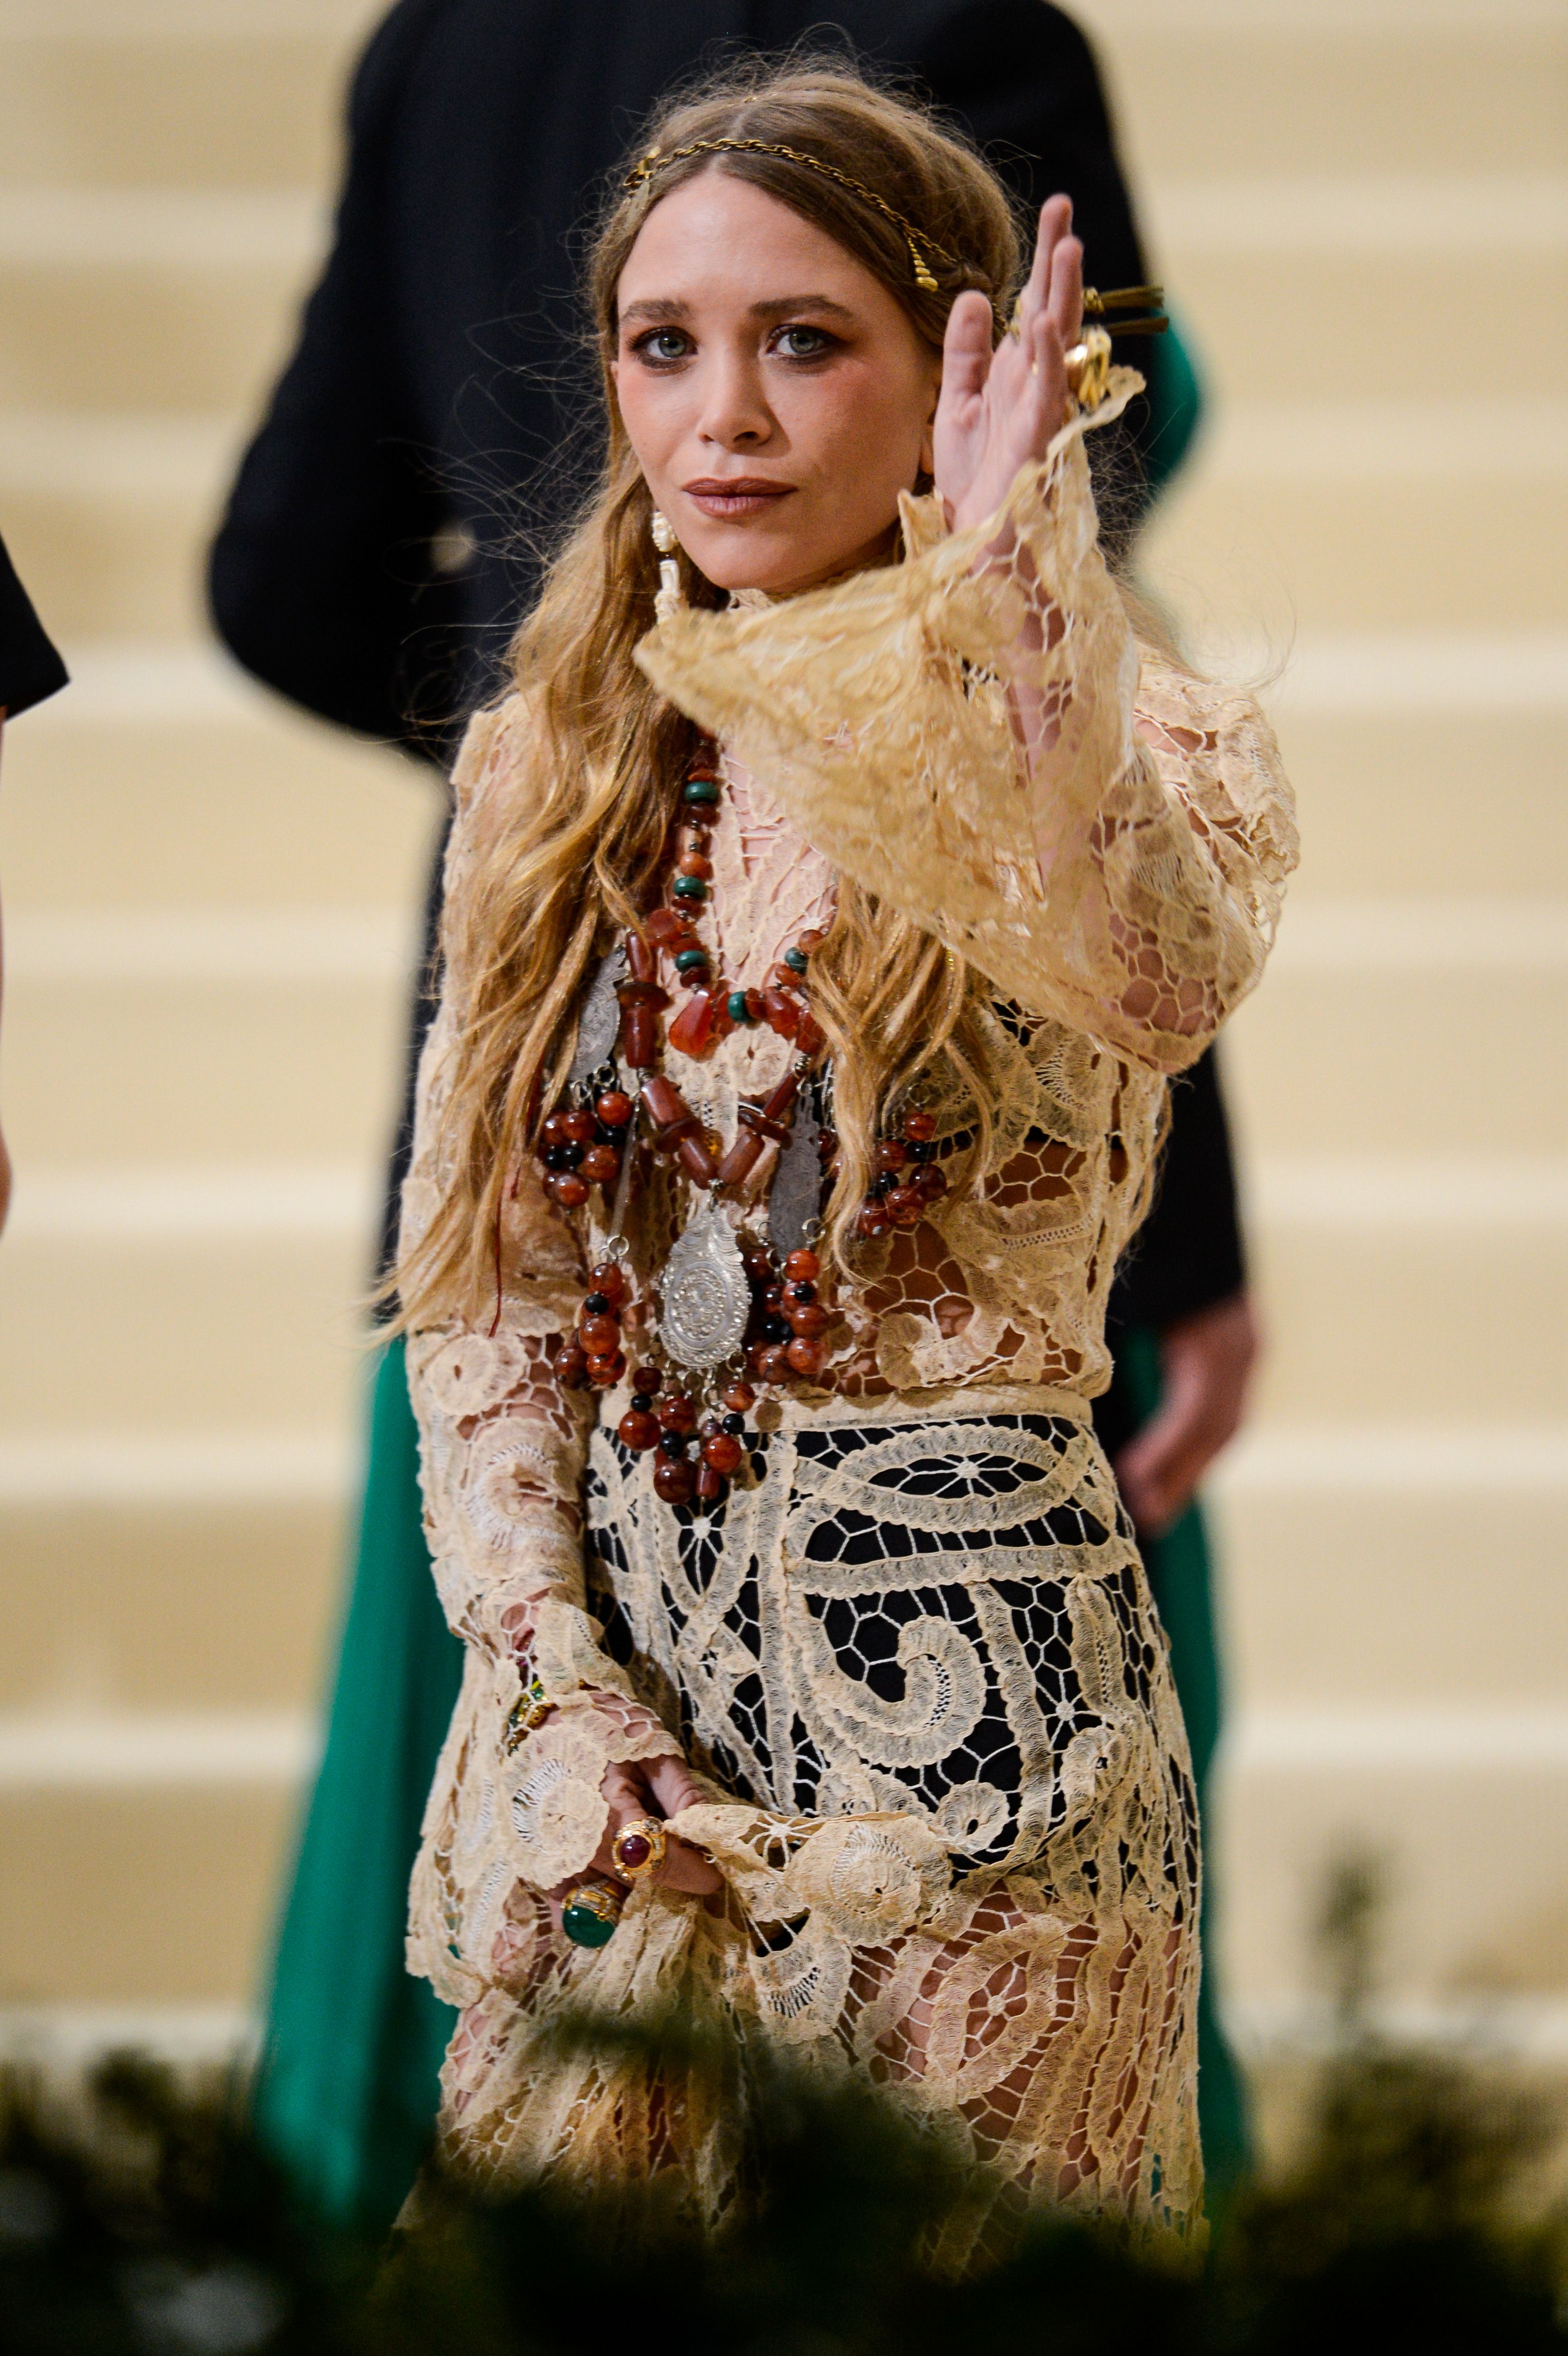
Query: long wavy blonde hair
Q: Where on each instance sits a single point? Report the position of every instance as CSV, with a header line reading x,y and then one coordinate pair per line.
x,y
580,858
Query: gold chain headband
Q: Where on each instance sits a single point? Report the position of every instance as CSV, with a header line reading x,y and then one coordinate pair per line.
x,y
918,244
1095,306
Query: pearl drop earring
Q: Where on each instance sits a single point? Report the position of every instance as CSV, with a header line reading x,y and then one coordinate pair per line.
x,y
668,599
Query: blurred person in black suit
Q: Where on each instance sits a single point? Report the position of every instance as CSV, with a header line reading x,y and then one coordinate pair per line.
x,y
380,546
30,670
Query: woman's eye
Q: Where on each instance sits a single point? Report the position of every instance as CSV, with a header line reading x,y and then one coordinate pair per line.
x,y
663,344
803,343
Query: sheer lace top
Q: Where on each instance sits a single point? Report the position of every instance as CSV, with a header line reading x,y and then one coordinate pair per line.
x,y
1105,838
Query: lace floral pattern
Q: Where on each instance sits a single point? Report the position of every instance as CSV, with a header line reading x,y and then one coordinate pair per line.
x,y
920,1662
914,1657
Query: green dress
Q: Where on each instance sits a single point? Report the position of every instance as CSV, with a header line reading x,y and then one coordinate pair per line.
x,y
346,2088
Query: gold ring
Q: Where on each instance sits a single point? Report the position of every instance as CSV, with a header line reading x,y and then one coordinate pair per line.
x,y
1016,324
638,1848
1089,368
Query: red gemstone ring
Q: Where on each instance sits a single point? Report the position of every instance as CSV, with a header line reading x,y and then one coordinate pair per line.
x,y
638,1848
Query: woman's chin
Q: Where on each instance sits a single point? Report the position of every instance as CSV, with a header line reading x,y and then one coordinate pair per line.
x,y
745,557
773,570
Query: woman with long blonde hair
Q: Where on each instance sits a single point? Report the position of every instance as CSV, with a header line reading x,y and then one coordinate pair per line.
x,y
827,906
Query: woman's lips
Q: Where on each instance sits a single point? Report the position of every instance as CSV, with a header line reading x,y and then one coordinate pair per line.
x,y
746,494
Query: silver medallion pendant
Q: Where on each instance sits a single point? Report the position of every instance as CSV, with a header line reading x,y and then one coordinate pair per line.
x,y
598,1020
704,1298
795,1196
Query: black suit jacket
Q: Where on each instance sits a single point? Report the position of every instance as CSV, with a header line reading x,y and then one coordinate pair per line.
x,y
30,670
438,416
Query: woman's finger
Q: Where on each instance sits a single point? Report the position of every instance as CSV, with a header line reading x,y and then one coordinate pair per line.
x,y
687,1869
1055,215
1047,386
966,348
647,1787
1055,221
1065,305
673,1785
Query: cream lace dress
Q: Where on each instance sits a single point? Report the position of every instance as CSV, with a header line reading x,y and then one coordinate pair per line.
x,y
913,1658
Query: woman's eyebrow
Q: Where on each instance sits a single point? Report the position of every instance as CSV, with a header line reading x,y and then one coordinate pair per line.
x,y
657,309
788,305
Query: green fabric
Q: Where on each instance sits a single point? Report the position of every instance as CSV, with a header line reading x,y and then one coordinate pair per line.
x,y
1176,404
345,2093
1180,1576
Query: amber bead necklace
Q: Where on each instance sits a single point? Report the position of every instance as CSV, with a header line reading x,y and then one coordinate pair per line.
x,y
589,1144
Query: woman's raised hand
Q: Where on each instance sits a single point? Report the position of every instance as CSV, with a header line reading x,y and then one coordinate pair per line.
x,y
999,409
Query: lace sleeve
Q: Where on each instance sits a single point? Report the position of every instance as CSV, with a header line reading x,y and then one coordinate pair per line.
x,y
502,1452
972,737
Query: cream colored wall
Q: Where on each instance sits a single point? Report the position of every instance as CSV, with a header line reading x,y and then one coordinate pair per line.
x,y
209,919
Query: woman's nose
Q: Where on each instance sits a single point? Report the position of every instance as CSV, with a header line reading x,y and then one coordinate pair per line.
x,y
734,413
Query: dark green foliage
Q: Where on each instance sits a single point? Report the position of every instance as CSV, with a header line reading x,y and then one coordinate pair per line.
x,y
144,2222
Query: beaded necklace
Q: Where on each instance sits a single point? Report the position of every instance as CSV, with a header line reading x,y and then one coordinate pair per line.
x,y
731,1307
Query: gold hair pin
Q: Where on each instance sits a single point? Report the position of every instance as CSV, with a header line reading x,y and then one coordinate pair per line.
x,y
918,244
1096,307
1149,299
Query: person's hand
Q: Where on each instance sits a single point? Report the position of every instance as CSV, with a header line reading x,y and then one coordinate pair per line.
x,y
998,409
1206,1362
648,1787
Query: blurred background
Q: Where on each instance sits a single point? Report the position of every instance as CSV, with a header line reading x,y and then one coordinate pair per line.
x,y
1361,209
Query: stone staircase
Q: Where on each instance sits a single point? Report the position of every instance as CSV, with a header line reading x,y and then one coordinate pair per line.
x,y
209,919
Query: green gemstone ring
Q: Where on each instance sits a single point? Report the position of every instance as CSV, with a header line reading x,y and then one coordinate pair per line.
x,y
590,1913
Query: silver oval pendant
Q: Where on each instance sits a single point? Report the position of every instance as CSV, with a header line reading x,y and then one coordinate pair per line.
x,y
704,1298
598,1020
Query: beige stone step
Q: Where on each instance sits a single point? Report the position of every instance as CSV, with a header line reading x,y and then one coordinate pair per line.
x,y
108,520
164,777
1368,1568
1369,515
141,300
127,1595
148,1575
202,102
1422,763
153,1892
211,1036
1405,1322
1427,767
203,1332
1466,1813
150,1885
211,98
1258,91
208,1059
162,299
1399,1291
1333,285
1421,1029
